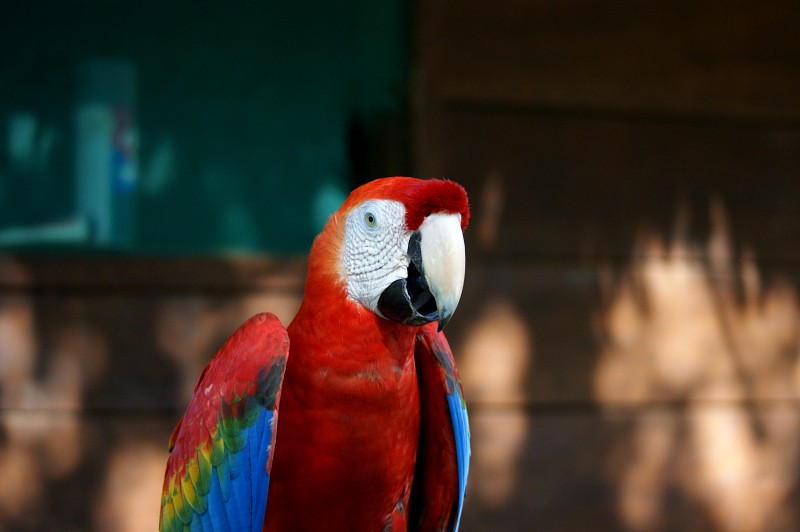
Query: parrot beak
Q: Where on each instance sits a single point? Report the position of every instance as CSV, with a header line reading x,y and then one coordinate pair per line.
x,y
443,261
432,289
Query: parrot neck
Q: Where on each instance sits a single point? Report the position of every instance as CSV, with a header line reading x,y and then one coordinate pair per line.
x,y
337,326
328,321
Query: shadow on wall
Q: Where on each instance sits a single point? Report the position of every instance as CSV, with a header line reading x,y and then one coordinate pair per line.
x,y
701,338
41,447
91,384
687,416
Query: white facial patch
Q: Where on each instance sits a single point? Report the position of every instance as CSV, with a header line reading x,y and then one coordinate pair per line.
x,y
375,250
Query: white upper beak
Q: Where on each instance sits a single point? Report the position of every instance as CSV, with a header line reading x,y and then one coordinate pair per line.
x,y
443,261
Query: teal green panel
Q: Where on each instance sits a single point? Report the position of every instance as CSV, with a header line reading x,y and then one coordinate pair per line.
x,y
242,112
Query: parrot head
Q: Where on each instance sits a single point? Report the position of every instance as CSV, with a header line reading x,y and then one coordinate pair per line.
x,y
396,247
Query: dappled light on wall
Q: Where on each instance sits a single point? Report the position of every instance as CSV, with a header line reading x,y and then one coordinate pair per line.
x,y
41,386
495,357
702,350
92,381
132,488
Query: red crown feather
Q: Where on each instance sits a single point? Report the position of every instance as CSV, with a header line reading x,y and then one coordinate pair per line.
x,y
421,197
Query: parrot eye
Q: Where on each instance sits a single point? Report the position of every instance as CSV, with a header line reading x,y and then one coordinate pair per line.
x,y
370,219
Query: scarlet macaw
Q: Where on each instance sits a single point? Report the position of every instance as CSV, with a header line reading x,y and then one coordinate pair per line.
x,y
373,430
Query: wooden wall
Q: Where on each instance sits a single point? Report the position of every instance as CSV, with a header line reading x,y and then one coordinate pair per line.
x,y
98,358
629,338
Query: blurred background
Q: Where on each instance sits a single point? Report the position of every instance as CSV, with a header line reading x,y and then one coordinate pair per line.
x,y
629,334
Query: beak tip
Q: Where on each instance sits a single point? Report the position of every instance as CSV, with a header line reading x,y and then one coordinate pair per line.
x,y
444,318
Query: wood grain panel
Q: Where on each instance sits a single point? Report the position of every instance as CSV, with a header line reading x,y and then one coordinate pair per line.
x,y
666,330
593,186
697,467
698,58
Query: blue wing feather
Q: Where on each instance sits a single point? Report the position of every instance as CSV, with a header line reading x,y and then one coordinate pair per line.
x,y
458,414
216,506
260,450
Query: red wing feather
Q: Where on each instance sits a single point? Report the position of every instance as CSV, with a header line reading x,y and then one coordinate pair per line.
x,y
443,454
218,471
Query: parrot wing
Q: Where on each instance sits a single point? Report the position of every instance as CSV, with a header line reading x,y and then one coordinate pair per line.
x,y
440,480
220,459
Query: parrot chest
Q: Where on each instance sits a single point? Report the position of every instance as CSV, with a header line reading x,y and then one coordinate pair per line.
x,y
346,445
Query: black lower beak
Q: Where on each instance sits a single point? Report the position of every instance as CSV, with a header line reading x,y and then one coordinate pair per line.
x,y
409,300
